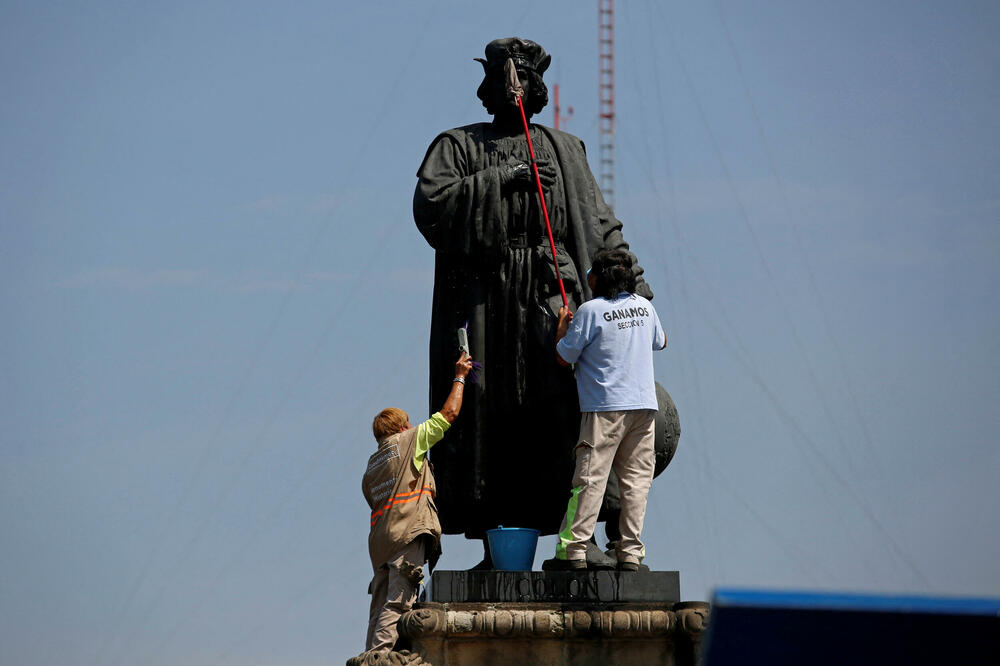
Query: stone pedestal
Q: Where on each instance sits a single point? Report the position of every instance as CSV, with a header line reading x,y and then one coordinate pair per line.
x,y
564,587
585,618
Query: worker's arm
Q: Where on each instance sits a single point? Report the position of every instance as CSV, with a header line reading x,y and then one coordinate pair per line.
x,y
573,334
432,430
565,317
453,404
658,331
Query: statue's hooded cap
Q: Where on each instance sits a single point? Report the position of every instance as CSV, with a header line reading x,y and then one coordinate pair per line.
x,y
524,52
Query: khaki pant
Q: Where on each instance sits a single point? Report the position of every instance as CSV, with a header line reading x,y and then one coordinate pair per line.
x,y
622,441
392,595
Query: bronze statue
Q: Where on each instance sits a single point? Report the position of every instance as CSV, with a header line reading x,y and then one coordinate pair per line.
x,y
508,460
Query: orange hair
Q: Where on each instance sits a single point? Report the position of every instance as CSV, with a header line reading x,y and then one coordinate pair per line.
x,y
388,422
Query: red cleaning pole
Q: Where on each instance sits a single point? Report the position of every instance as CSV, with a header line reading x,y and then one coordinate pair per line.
x,y
514,86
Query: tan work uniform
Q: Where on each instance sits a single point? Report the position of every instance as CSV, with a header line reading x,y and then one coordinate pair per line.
x,y
399,487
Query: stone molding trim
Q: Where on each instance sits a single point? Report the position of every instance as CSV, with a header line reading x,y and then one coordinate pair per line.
x,y
692,618
388,658
456,621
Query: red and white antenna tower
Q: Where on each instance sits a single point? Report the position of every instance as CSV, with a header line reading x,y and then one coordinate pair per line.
x,y
606,96
558,119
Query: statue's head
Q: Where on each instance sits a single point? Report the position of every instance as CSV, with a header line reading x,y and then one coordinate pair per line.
x,y
530,60
611,273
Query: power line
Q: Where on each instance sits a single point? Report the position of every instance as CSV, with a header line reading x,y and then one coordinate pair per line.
x,y
894,547
744,216
259,440
797,235
311,469
700,453
304,263
313,465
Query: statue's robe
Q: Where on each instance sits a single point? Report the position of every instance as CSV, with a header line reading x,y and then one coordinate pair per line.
x,y
508,459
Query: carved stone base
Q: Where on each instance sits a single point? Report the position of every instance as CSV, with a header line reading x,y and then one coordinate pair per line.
x,y
586,587
389,658
467,634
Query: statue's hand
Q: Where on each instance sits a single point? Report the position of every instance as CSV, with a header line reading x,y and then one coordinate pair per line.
x,y
547,173
516,175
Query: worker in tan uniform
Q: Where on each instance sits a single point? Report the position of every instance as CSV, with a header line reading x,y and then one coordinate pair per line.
x,y
399,487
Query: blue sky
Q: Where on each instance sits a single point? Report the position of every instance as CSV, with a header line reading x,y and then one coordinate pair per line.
x,y
212,281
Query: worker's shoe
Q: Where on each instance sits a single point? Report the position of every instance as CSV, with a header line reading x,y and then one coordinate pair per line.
x,y
612,552
555,564
624,565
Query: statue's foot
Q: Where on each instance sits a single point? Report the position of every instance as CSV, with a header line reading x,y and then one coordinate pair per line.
x,y
484,565
597,560
555,564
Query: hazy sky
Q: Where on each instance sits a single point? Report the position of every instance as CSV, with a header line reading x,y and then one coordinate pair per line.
x,y
211,281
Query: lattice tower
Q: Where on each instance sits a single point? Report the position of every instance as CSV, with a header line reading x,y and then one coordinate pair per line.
x,y
606,97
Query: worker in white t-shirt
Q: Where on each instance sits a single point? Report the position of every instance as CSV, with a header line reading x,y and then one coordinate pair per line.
x,y
611,339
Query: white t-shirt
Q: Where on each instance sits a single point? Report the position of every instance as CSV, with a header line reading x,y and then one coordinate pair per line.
x,y
612,343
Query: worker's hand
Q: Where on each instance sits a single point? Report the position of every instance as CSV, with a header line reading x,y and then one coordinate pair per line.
x,y
463,366
453,403
565,317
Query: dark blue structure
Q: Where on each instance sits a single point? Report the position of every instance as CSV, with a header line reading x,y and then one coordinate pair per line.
x,y
799,628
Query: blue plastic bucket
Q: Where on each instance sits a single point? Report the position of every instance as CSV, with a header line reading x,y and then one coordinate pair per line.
x,y
513,548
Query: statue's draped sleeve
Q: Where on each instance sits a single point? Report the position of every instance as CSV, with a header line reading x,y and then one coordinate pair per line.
x,y
596,226
611,230
457,205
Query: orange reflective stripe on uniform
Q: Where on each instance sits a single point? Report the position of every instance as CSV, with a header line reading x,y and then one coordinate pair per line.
x,y
401,498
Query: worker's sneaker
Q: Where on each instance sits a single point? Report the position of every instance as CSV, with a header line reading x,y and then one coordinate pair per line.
x,y
555,564
624,565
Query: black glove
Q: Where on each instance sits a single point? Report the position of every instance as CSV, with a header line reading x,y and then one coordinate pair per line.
x,y
516,175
